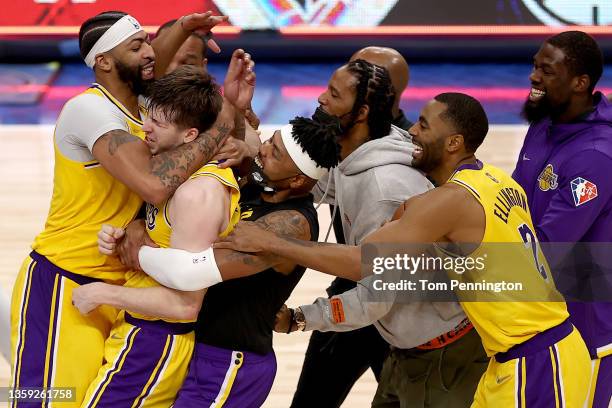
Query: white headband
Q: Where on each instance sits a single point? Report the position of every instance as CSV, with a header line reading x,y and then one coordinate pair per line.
x,y
124,28
301,159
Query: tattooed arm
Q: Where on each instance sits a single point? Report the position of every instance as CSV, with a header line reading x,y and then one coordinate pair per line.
x,y
155,178
234,264
170,303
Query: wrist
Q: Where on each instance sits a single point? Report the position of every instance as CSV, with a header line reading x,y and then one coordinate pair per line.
x,y
298,319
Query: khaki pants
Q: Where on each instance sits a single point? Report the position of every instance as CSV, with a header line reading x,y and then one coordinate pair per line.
x,y
445,377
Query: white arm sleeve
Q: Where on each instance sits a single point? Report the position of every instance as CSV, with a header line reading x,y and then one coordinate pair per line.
x,y
179,269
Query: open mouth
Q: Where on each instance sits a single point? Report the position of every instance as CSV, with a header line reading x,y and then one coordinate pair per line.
x,y
536,94
148,71
258,162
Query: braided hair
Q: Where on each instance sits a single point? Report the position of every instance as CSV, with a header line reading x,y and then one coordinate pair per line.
x,y
92,29
374,88
318,140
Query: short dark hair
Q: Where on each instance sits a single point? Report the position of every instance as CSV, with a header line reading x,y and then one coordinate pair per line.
x,y
467,116
374,88
318,140
582,54
200,37
92,29
188,97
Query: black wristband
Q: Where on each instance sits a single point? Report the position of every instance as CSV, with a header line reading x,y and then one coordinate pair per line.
x,y
290,320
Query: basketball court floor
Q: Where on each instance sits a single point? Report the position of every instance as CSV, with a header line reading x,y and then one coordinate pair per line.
x,y
284,90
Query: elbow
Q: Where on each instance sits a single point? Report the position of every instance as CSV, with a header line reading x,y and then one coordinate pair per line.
x,y
191,310
155,194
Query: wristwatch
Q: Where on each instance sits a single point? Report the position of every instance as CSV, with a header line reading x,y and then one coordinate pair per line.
x,y
299,319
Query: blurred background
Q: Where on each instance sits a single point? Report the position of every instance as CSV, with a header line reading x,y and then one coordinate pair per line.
x,y
480,47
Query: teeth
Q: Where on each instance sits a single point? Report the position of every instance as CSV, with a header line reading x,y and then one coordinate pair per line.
x,y
537,92
258,162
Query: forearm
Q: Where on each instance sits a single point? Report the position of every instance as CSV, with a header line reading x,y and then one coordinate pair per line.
x,y
343,261
156,301
353,309
166,46
170,169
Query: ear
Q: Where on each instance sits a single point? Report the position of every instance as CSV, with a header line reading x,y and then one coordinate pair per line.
x,y
190,135
455,142
362,115
104,62
205,63
581,83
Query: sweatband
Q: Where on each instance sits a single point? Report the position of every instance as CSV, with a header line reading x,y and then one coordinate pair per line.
x,y
179,269
124,28
301,159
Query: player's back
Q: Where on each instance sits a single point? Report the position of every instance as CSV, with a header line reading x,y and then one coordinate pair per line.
x,y
511,253
159,226
85,195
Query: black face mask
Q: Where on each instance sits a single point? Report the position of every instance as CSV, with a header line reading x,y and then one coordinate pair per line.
x,y
331,120
258,177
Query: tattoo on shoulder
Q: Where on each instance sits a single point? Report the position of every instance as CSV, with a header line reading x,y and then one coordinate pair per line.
x,y
117,138
291,224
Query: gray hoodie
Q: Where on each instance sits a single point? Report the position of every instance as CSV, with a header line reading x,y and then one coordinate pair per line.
x,y
367,187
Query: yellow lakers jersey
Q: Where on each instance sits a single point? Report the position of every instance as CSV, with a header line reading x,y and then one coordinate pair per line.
x,y
511,253
159,227
85,195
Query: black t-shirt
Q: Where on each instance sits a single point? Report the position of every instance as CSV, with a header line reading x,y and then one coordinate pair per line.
x,y
239,314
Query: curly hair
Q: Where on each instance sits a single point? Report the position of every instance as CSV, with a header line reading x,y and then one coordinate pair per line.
x,y
374,88
318,140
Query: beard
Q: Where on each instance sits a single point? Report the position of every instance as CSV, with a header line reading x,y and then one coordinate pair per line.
x,y
133,77
535,111
333,121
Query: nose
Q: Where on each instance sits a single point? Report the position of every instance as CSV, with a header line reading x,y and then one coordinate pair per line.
x,y
535,77
322,99
146,126
148,52
264,149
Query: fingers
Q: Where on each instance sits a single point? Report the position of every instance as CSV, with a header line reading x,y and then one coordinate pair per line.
x,y
118,233
223,245
230,163
213,46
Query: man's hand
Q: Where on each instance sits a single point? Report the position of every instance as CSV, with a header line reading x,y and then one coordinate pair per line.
x,y
85,297
232,153
247,236
108,238
239,84
282,321
202,23
135,237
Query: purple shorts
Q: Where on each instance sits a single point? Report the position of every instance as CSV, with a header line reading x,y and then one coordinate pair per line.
x,y
232,379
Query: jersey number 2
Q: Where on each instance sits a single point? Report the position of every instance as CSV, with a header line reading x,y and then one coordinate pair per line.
x,y
530,240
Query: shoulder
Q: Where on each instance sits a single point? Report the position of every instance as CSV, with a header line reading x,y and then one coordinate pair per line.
x,y
196,190
395,178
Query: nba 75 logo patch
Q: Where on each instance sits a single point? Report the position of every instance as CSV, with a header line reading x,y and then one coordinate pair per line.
x,y
583,190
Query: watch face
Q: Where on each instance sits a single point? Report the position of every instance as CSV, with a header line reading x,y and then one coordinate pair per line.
x,y
563,12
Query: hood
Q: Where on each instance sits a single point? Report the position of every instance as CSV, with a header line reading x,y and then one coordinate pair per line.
x,y
601,116
395,148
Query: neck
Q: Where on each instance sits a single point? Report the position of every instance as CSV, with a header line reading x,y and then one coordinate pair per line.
x,y
442,173
356,136
122,92
395,111
578,106
280,196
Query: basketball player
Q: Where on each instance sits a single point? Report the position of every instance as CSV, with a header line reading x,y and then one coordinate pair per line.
x,y
103,170
376,165
146,359
563,167
234,363
329,372
192,52
538,357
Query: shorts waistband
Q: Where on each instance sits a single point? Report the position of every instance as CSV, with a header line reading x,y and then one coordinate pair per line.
x,y
540,341
161,326
80,279
206,351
